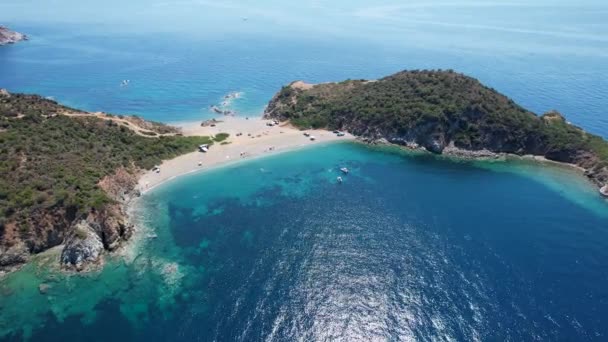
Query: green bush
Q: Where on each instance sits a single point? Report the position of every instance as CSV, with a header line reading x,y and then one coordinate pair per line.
x,y
221,137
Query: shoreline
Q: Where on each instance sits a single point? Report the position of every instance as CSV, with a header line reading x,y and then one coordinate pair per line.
x,y
270,141
457,154
248,139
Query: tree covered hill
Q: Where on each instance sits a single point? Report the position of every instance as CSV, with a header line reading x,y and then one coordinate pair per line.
x,y
52,166
434,109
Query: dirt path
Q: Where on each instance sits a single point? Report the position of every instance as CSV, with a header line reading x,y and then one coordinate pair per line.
x,y
144,132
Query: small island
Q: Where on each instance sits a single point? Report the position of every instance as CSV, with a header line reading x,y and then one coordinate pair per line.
x,y
444,112
10,37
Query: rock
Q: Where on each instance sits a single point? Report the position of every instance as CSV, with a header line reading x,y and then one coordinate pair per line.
x,y
44,288
452,150
82,248
435,145
13,256
9,37
114,229
211,122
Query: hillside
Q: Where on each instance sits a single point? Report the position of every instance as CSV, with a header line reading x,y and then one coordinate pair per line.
x,y
63,168
438,109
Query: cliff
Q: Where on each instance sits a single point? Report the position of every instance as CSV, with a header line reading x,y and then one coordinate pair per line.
x,y
9,37
67,174
438,110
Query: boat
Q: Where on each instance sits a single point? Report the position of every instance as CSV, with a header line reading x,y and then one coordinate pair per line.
x,y
344,170
339,179
312,138
604,190
340,134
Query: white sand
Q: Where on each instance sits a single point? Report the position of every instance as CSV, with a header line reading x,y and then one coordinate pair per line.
x,y
264,141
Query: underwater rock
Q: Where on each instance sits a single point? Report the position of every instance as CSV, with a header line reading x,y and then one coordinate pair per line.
x,y
44,288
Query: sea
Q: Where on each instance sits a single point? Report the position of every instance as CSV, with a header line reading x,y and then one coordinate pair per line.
x,y
410,247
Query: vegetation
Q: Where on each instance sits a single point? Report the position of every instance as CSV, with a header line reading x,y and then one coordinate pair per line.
x,y
52,162
433,108
220,137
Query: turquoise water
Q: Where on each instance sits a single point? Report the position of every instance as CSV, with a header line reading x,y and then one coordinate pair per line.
x,y
410,246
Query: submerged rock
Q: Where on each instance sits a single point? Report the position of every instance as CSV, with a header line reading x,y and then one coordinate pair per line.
x,y
44,288
82,248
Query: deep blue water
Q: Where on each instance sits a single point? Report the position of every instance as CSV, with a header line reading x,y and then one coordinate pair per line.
x,y
410,247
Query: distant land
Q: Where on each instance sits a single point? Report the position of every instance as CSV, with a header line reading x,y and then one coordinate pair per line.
x,y
9,37
442,112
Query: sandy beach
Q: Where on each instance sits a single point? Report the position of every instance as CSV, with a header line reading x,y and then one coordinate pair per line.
x,y
256,140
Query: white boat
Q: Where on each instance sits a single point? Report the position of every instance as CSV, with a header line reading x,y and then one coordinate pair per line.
x,y
344,170
339,179
604,190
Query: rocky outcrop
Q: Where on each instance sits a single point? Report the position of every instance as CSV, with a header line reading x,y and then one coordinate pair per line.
x,y
83,247
104,229
10,37
12,257
85,237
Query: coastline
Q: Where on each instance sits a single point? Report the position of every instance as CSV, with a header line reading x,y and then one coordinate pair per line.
x,y
248,139
267,141
452,151
264,141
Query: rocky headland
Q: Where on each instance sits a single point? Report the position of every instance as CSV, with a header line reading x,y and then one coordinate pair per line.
x,y
10,37
443,112
68,176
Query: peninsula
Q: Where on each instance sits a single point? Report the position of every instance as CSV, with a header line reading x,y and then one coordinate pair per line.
x,y
66,175
442,112
9,37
